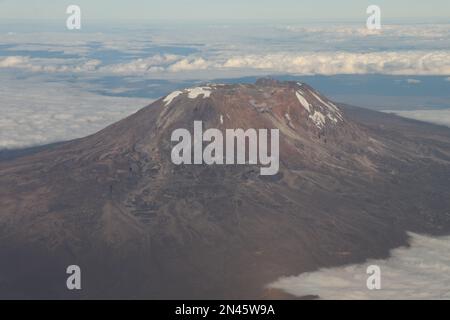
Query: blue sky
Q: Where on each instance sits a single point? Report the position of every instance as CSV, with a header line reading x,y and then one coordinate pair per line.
x,y
301,10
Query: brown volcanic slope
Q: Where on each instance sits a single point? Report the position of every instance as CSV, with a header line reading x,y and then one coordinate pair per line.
x,y
351,182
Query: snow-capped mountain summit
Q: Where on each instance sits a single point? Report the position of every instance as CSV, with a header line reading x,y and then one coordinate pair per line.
x,y
350,183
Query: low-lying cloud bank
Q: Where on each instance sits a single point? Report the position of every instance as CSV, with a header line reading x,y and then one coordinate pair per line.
x,y
419,272
441,117
303,63
40,113
331,63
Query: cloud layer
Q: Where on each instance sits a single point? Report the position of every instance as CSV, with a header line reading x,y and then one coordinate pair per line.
x,y
398,63
441,117
419,272
307,63
190,51
55,112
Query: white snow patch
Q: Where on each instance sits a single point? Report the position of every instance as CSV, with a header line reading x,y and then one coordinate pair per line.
x,y
332,118
198,91
303,101
288,117
192,94
318,118
329,105
168,100
333,106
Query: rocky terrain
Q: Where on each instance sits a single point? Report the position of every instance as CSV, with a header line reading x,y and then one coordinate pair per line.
x,y
351,183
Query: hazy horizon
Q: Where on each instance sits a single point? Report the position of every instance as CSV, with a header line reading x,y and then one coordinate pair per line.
x,y
232,9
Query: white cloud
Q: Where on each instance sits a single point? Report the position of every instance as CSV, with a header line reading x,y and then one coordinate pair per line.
x,y
189,65
330,63
441,117
35,113
156,63
421,31
336,30
13,61
49,65
413,81
419,272
299,49
307,63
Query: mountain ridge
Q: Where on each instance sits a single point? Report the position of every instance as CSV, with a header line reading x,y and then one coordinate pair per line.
x,y
351,183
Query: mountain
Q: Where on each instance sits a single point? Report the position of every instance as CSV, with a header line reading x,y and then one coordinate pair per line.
x,y
351,183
